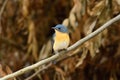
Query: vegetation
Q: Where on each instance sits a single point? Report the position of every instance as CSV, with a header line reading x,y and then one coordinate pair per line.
x,y
25,38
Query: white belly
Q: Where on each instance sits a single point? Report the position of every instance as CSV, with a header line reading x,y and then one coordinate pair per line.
x,y
60,45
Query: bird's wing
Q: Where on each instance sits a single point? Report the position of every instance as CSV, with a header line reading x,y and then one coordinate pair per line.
x,y
53,38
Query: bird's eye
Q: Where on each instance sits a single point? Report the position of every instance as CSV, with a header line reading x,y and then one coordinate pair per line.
x,y
59,28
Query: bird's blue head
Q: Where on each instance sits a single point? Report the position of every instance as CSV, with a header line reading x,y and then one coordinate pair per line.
x,y
61,28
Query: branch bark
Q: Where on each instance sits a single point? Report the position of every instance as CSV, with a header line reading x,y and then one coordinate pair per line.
x,y
54,57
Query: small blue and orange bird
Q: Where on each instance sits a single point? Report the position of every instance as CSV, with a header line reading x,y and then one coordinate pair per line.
x,y
61,37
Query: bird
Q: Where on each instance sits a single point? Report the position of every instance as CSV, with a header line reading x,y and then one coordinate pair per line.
x,y
61,38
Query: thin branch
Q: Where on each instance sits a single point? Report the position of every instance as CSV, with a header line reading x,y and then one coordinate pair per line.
x,y
96,32
38,71
54,57
3,7
1,12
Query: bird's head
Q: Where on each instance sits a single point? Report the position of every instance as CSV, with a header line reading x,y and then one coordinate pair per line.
x,y
61,28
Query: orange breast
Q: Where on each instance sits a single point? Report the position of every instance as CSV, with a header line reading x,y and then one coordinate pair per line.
x,y
61,41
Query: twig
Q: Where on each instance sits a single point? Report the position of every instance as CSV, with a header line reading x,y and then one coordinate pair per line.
x,y
54,57
96,32
33,75
3,7
1,11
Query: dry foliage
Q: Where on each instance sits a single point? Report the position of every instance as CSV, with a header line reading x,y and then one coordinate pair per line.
x,y
25,38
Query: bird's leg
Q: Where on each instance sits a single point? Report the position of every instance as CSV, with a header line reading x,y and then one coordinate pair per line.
x,y
64,49
56,52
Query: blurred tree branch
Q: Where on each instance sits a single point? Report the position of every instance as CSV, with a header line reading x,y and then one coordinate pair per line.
x,y
1,12
43,68
54,57
2,8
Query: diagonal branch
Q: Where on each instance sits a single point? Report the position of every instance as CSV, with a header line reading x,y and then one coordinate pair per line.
x,y
3,7
54,57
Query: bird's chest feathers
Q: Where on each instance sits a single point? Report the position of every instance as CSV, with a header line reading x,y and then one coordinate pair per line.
x,y
61,40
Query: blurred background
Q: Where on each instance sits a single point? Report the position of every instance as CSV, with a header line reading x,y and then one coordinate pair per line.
x,y
25,38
